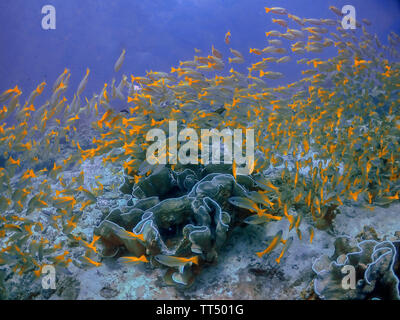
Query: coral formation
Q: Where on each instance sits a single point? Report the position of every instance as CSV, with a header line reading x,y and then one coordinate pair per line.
x,y
195,223
326,141
376,268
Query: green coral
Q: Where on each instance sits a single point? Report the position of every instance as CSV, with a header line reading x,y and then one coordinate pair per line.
x,y
197,221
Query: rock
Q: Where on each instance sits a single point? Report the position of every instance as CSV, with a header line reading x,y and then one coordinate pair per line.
x,y
68,288
108,293
368,233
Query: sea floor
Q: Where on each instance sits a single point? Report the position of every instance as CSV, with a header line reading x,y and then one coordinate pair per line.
x,y
239,273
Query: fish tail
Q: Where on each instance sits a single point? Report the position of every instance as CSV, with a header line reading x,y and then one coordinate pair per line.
x,y
195,260
260,254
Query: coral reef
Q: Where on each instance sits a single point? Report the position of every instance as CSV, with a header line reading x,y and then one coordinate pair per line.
x,y
195,223
375,264
75,174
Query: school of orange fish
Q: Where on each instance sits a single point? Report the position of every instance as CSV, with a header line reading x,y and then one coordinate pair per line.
x,y
333,135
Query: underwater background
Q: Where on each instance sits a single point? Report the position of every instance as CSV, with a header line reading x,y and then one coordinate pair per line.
x,y
156,34
78,194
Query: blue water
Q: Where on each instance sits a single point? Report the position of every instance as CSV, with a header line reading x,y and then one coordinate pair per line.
x,y
157,34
